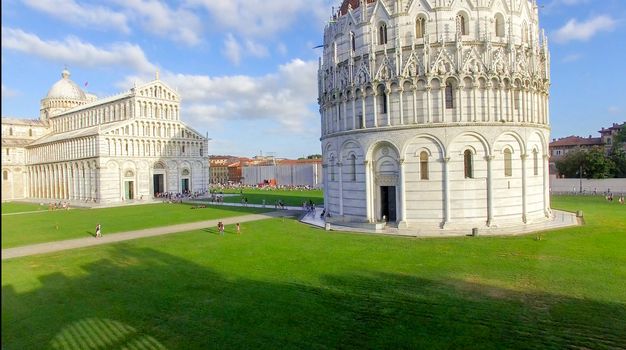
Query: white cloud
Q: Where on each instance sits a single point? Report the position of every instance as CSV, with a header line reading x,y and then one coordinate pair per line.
x,y
82,15
76,52
282,49
261,18
572,58
284,98
154,16
232,49
256,49
7,92
614,110
583,31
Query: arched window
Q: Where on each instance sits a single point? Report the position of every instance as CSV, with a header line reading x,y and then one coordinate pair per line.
x,y
5,175
382,99
10,131
419,28
449,96
332,168
508,163
7,151
461,24
382,33
535,162
467,164
30,132
424,165
517,99
352,42
353,166
524,33
499,26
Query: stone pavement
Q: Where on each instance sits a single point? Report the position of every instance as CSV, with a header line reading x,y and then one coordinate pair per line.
x,y
49,247
559,219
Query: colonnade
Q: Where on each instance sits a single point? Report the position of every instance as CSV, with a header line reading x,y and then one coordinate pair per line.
x,y
153,148
473,102
85,147
68,181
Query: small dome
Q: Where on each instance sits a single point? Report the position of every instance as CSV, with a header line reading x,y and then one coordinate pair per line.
x,y
65,88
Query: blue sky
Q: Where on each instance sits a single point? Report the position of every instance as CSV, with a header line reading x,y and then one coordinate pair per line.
x,y
246,70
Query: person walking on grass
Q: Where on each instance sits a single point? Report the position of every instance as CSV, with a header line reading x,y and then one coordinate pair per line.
x,y
98,231
238,228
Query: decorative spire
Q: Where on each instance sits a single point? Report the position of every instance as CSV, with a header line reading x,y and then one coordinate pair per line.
x,y
157,75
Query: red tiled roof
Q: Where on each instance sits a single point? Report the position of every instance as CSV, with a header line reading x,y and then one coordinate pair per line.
x,y
576,141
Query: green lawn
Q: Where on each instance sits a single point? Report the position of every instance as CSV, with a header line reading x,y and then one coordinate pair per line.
x,y
289,197
16,207
46,226
282,284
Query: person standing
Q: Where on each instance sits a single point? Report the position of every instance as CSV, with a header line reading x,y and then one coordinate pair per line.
x,y
98,231
238,228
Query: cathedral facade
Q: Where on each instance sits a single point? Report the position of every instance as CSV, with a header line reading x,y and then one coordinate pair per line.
x,y
124,147
435,113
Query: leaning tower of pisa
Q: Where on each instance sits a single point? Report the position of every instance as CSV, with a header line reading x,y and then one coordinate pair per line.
x,y
435,113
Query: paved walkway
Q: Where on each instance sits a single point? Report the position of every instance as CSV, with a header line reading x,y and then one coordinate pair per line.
x,y
124,236
559,219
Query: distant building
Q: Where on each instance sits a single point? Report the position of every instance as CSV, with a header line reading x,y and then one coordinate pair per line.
x,y
218,169
609,134
105,150
283,172
561,147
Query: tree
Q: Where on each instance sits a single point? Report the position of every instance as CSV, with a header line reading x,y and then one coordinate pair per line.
x,y
617,154
593,163
314,156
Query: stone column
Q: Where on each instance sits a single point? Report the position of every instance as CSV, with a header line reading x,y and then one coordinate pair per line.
x,y
388,104
368,194
340,188
429,109
501,93
489,87
442,103
375,108
489,160
414,89
401,95
459,105
363,117
546,186
447,217
402,194
353,112
524,187
474,112
326,185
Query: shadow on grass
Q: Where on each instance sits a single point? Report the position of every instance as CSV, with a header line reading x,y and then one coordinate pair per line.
x,y
141,298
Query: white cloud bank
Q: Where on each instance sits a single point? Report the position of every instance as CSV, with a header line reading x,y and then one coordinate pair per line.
x,y
76,52
583,31
82,15
282,99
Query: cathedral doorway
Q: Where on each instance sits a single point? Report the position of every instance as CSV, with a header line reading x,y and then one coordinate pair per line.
x,y
184,185
129,190
388,202
157,181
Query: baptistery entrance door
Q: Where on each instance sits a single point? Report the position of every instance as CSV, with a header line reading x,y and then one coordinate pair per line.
x,y
129,190
388,202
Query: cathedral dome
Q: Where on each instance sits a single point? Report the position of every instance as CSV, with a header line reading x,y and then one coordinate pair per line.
x,y
65,88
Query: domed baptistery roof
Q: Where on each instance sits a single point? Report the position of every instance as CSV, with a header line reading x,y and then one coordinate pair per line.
x,y
435,114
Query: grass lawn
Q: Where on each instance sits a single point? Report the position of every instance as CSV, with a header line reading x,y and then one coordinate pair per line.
x,y
281,284
16,207
291,198
47,226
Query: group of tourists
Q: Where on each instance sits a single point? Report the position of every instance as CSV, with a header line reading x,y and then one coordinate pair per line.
x,y
220,228
609,197
58,205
